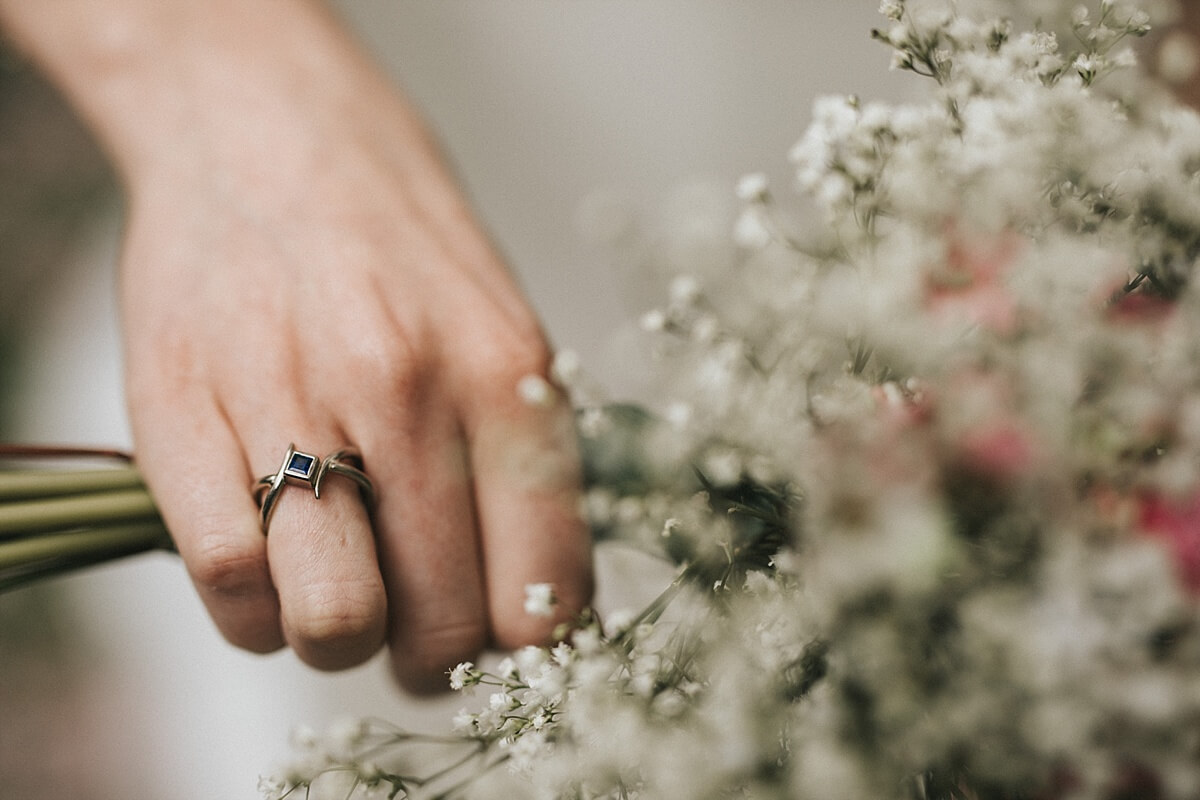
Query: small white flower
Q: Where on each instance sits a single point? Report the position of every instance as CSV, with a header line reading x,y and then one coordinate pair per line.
x,y
345,736
530,660
501,701
684,290
586,640
1139,23
642,684
671,525
462,676
752,188
630,509
678,414
1087,65
549,683
723,467
593,422
536,391
670,704
464,722
506,668
271,787
303,737
540,599
705,329
622,619
892,9
654,320
901,59
1125,58
751,230
562,654
566,366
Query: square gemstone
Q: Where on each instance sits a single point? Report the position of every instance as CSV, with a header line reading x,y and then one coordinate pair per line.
x,y
301,465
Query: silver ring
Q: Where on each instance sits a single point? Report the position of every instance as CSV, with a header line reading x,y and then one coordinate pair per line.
x,y
305,468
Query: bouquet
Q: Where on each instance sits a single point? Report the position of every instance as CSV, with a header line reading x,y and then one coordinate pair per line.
x,y
925,466
928,471
74,514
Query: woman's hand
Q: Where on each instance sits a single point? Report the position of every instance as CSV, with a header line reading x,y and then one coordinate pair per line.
x,y
299,267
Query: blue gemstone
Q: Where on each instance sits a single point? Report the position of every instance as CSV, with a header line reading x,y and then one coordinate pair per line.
x,y
301,465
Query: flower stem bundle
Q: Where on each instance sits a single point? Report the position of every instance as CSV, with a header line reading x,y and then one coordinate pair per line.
x,y
55,520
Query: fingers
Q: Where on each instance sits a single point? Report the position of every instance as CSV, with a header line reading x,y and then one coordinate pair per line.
x,y
313,584
320,552
324,566
475,499
194,466
428,549
526,483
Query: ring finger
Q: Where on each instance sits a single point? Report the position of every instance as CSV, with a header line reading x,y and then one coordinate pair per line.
x,y
322,559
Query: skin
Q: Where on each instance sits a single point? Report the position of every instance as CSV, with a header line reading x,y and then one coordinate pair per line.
x,y
298,266
1189,23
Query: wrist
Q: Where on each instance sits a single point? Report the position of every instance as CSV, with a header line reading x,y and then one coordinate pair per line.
x,y
173,86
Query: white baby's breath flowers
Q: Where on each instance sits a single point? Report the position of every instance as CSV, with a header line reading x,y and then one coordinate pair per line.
x,y
505,669
654,320
684,290
464,722
272,787
536,391
752,187
921,477
463,675
540,600
752,230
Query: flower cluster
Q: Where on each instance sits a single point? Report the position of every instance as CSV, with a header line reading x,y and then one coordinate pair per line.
x,y
928,474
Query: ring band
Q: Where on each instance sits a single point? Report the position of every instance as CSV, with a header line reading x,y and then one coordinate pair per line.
x,y
305,468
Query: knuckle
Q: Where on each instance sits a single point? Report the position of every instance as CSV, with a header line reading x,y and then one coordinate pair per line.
x,y
504,357
227,567
395,363
327,620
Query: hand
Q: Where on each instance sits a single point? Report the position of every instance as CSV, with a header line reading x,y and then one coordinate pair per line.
x,y
1176,54
300,268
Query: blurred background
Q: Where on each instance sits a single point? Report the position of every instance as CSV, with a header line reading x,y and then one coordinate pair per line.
x,y
568,121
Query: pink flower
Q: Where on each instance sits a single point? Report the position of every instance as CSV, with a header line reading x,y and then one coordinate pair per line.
x,y
903,406
1140,307
983,429
970,286
1177,523
1001,449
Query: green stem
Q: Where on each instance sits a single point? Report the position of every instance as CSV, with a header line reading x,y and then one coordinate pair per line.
x,y
31,484
25,560
27,517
